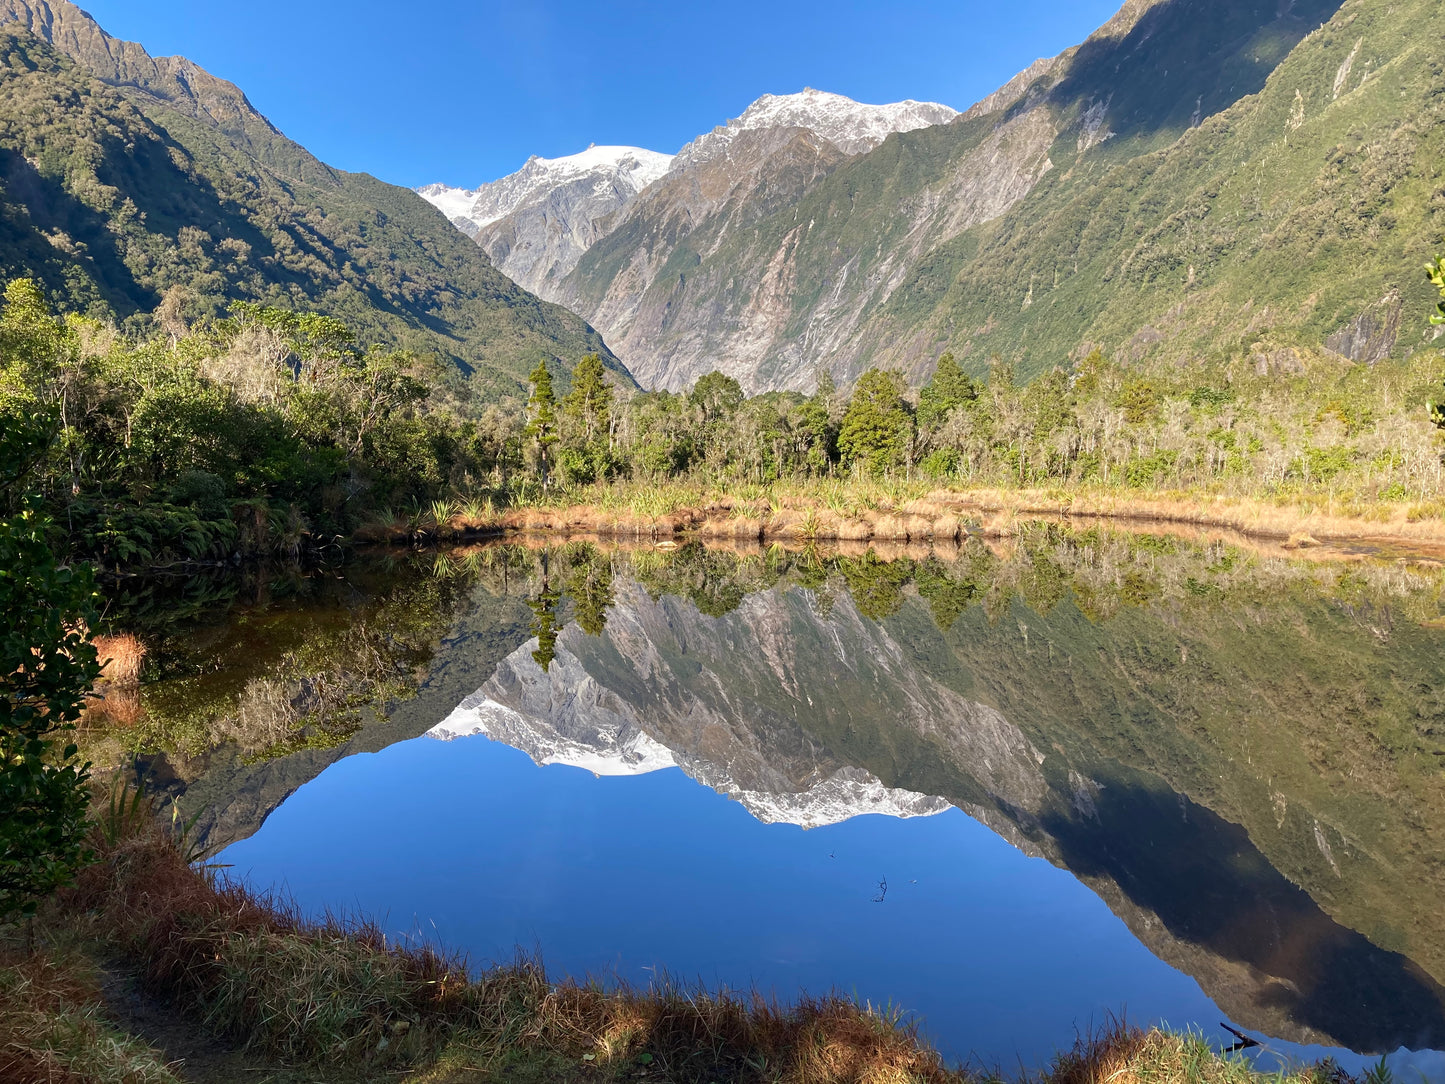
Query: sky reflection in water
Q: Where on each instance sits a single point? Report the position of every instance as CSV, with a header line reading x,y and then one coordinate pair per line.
x,y
1004,956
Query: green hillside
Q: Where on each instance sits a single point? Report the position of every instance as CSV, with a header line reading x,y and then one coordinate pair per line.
x,y
114,195
1200,180
1297,214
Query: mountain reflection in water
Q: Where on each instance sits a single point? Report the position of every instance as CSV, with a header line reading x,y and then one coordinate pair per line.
x,y
1240,755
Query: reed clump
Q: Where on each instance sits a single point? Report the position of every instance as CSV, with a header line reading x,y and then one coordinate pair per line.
x,y
117,698
122,655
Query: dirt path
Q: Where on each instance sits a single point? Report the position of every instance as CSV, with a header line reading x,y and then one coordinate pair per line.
x,y
192,1053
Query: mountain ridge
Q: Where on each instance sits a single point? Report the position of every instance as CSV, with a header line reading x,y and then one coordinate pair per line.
x,y
535,223
538,223
151,175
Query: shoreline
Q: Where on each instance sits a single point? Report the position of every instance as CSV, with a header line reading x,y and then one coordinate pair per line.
x,y
149,955
947,516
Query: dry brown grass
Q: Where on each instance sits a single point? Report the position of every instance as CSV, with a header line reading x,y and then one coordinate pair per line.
x,y
121,657
336,993
114,707
1317,518
861,511
53,1030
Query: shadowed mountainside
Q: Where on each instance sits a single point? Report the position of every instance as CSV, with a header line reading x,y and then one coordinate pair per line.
x,y
126,176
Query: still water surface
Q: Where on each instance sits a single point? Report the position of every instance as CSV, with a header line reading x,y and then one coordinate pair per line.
x,y
1011,790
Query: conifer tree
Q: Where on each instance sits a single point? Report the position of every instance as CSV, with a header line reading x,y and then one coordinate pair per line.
x,y
542,417
589,404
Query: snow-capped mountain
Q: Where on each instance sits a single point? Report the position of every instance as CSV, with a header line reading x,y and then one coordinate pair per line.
x,y
852,127
607,172
537,222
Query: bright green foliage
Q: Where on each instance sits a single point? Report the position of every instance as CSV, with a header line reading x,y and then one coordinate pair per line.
x,y
33,348
587,422
877,430
47,667
1435,271
717,395
258,432
589,404
1139,400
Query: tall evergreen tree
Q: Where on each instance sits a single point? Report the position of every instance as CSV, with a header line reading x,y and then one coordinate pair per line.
x,y
589,404
542,417
949,389
877,429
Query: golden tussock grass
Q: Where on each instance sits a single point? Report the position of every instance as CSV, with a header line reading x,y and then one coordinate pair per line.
x,y
53,1028
860,510
115,706
121,657
1304,518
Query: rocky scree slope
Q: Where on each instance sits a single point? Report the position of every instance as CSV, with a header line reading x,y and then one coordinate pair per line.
x,y
1239,180
126,175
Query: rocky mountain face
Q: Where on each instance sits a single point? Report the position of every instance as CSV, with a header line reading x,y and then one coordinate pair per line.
x,y
640,279
897,254
536,223
127,175
1197,180
652,212
809,713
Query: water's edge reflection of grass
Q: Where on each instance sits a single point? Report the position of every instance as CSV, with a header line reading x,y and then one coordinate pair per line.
x,y
341,1003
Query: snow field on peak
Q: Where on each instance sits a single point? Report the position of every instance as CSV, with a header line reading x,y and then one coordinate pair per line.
x,y
631,168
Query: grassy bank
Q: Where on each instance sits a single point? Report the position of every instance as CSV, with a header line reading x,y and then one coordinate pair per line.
x,y
299,1000
897,511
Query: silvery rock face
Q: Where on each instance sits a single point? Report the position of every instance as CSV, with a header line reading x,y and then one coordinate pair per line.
x,y
536,223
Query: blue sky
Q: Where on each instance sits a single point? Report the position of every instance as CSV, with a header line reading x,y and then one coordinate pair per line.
x,y
465,92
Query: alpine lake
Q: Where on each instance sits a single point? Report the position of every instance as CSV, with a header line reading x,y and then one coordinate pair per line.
x,y
1012,789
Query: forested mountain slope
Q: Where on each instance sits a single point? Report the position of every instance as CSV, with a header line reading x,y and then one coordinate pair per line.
x,y
1296,219
1239,180
636,282
125,176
